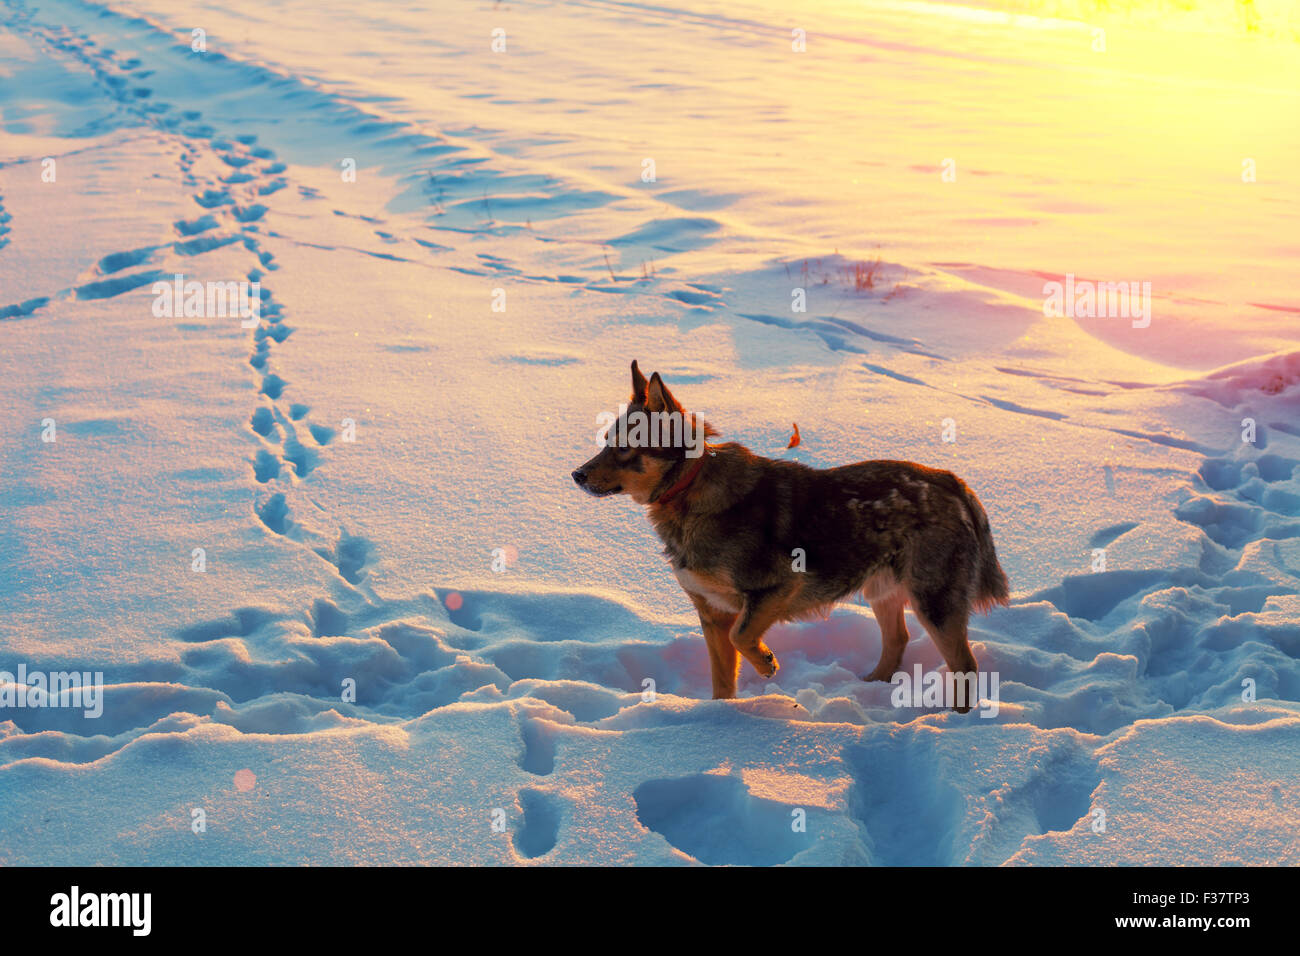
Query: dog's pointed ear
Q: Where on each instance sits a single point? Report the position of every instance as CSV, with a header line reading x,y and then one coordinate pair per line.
x,y
658,398
638,385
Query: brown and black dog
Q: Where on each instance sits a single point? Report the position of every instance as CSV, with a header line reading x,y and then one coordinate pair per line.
x,y
755,541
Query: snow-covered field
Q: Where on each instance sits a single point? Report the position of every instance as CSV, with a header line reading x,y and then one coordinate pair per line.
x,y
459,250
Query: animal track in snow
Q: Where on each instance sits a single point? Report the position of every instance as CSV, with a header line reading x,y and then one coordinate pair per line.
x,y
1252,498
715,819
539,747
540,827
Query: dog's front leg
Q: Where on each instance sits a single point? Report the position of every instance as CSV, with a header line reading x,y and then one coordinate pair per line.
x,y
760,611
724,663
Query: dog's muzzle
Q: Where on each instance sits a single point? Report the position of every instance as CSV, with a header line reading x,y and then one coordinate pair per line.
x,y
580,479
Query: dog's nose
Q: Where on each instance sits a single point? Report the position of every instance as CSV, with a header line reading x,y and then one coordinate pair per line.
x,y
580,476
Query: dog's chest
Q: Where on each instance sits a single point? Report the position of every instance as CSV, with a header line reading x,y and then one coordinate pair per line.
x,y
682,547
713,587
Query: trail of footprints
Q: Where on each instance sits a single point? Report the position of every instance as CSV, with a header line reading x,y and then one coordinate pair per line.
x,y
904,817
1248,500
230,209
4,218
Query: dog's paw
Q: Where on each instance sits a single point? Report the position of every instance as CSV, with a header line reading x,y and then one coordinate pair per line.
x,y
880,673
770,665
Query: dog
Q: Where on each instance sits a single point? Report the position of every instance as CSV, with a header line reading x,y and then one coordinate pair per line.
x,y
754,541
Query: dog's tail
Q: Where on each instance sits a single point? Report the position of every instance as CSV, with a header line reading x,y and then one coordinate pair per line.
x,y
990,579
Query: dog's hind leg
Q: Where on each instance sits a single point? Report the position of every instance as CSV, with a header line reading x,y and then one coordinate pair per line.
x,y
893,635
724,663
950,637
760,611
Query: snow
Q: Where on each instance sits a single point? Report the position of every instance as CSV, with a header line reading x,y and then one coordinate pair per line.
x,y
1124,733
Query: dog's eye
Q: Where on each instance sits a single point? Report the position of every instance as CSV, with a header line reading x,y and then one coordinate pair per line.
x,y
623,453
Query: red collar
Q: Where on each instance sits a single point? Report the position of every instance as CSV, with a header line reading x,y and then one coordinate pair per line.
x,y
682,483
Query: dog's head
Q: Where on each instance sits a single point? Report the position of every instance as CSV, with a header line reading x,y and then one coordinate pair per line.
x,y
650,437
